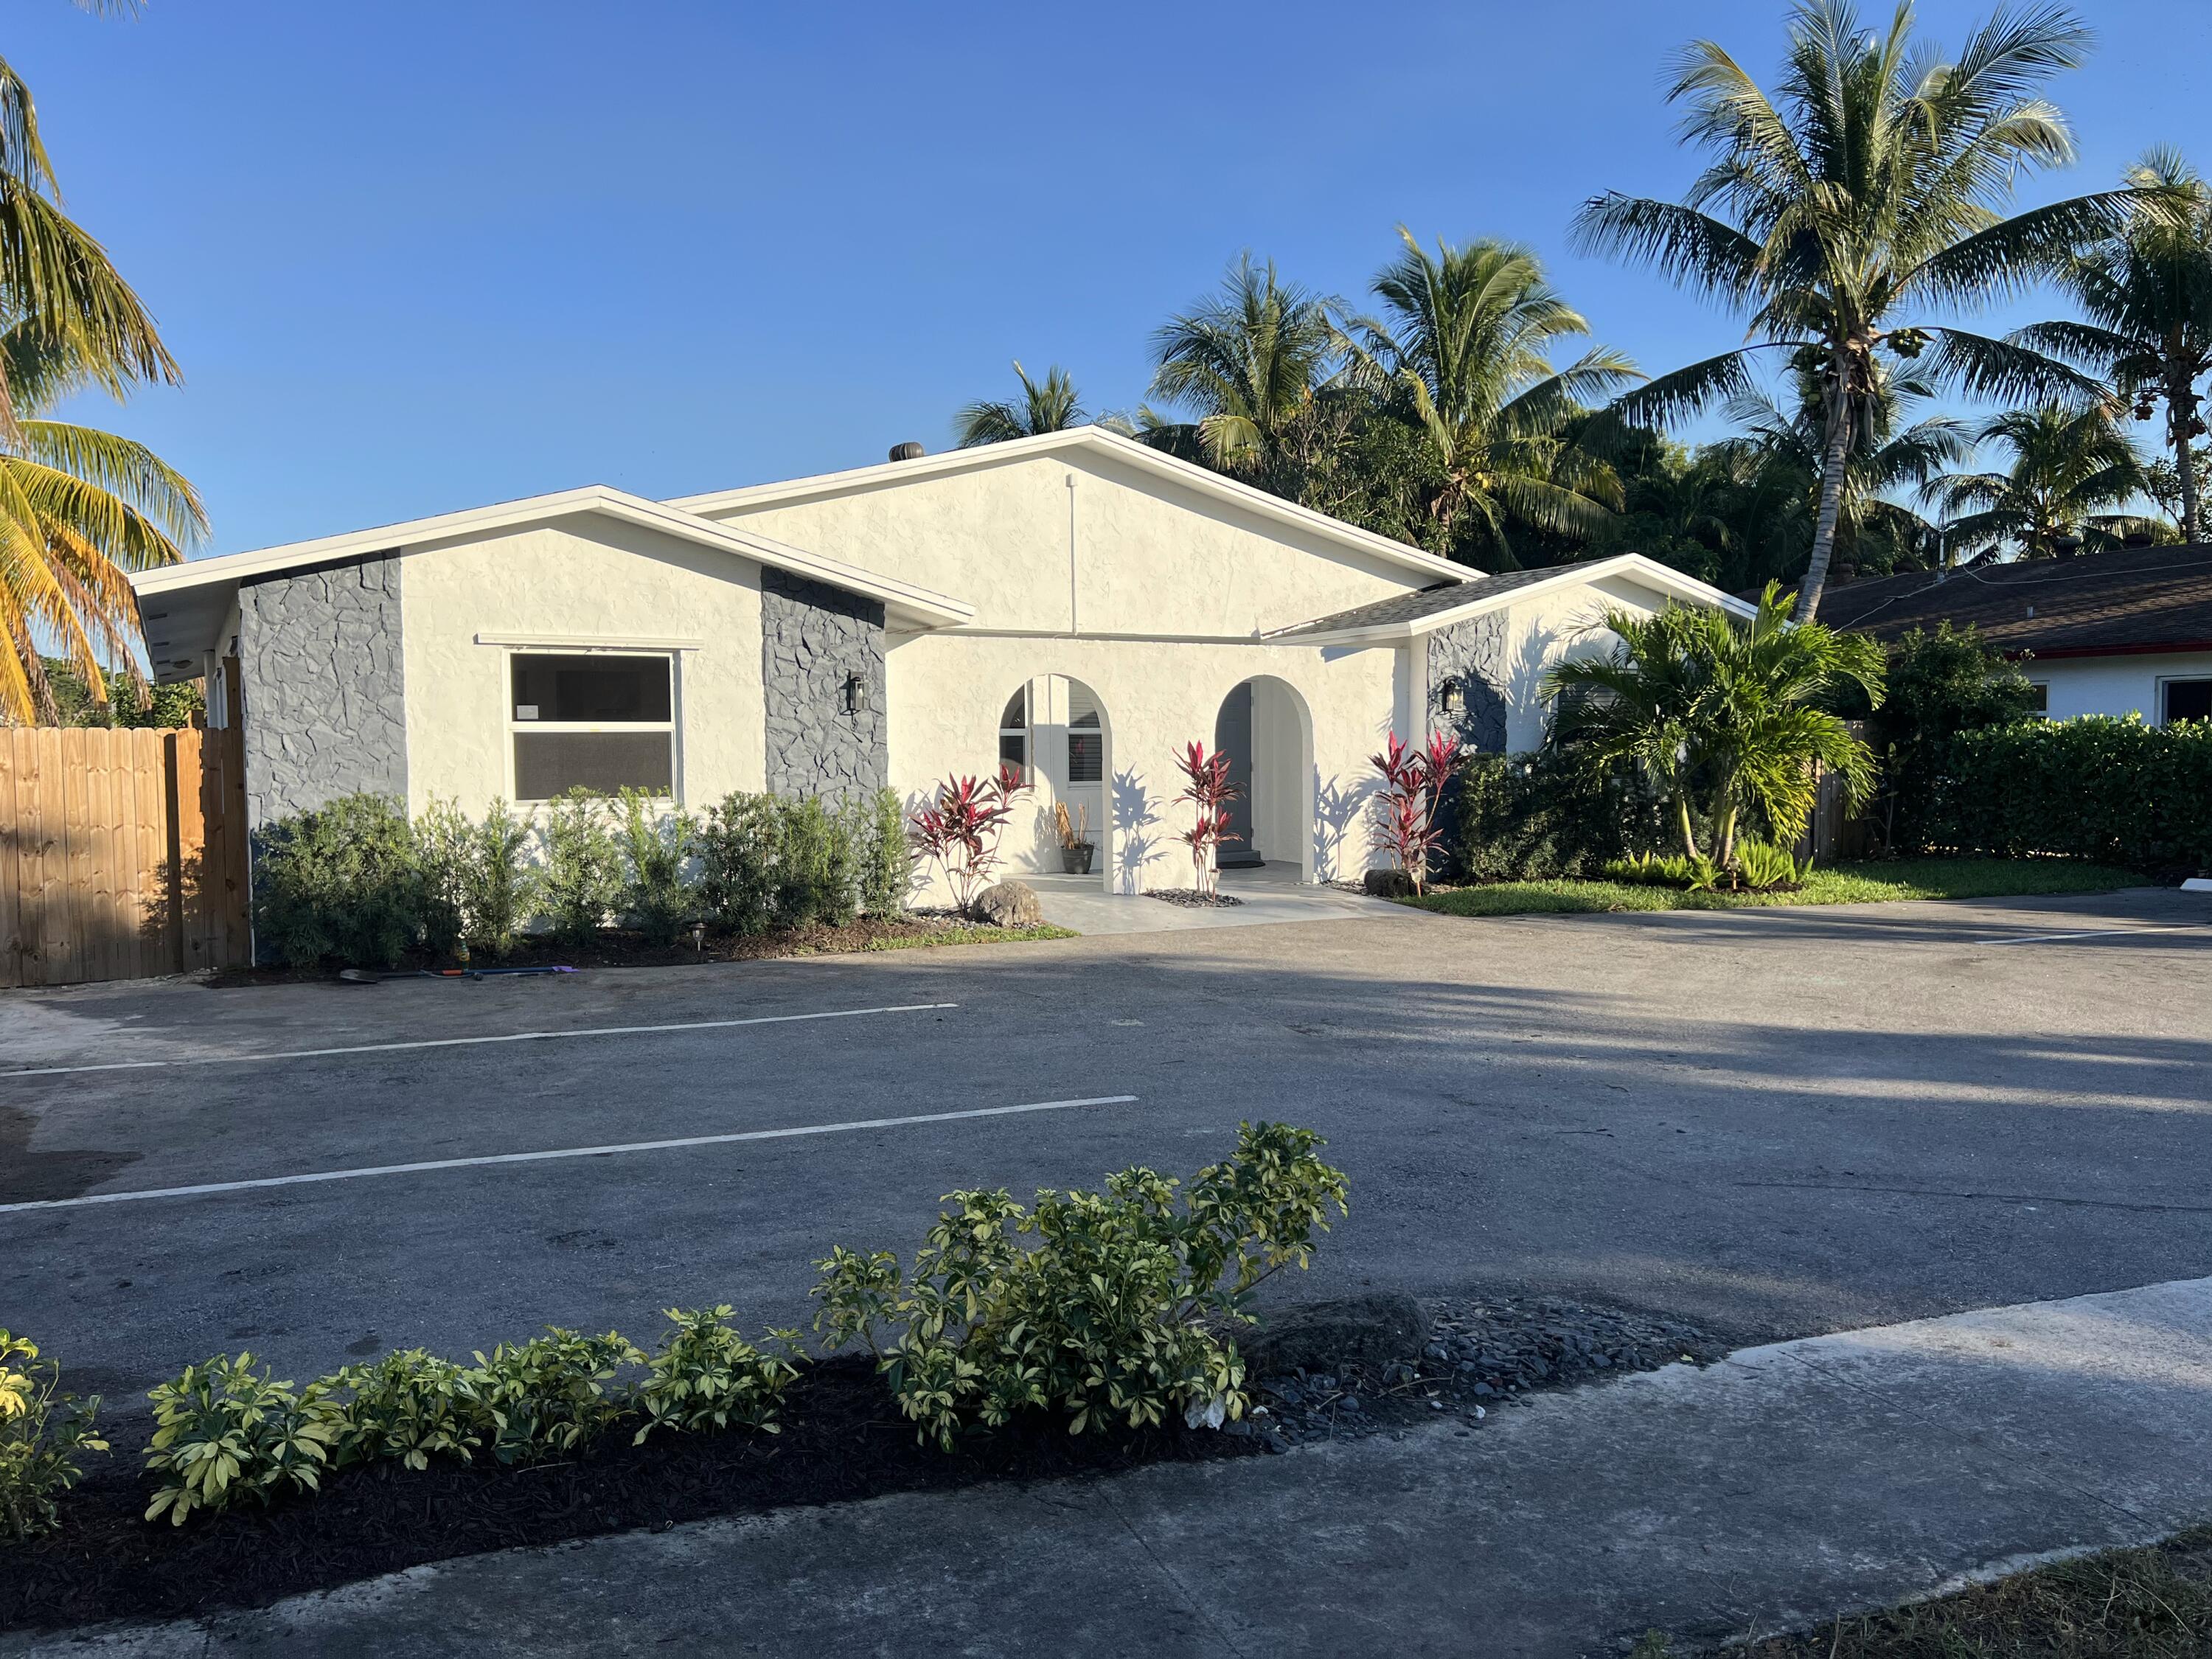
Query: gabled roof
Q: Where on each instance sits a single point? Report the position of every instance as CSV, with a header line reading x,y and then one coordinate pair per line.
x,y
2134,601
198,592
1404,615
1098,440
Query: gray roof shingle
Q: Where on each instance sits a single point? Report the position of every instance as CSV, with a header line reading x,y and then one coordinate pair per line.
x,y
1411,607
2146,598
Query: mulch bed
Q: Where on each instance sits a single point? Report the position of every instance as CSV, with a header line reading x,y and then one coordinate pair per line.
x,y
1191,899
621,949
844,1438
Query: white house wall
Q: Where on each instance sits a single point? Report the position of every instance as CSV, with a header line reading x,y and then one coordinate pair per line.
x,y
1549,627
2112,685
1118,553
947,691
597,580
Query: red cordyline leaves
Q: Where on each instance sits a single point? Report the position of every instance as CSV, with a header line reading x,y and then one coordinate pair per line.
x,y
1209,791
1404,811
960,830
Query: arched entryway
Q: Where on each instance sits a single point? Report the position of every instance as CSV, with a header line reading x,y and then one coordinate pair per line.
x,y
1264,727
1055,730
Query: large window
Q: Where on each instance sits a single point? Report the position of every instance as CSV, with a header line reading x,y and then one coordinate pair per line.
x,y
603,722
2188,700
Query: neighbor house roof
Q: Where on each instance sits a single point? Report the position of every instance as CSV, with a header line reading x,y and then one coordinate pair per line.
x,y
2138,600
184,605
1404,614
1098,441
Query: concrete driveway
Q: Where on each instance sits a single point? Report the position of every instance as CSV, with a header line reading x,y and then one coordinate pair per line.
x,y
1777,1123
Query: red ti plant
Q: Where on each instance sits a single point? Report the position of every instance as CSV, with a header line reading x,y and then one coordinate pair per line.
x,y
959,830
1414,782
1209,791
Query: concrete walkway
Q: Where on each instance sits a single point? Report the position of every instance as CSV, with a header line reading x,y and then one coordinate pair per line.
x,y
1781,1485
1271,894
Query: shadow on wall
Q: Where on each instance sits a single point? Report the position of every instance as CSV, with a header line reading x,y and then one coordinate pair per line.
x,y
1135,842
1336,810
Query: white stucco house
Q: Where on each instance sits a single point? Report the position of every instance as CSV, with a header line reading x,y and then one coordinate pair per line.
x,y
1076,602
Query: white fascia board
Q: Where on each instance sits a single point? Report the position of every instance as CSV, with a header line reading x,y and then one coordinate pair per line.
x,y
1126,450
1667,580
922,603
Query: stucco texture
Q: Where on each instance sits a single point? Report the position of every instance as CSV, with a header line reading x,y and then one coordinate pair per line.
x,y
948,691
2112,685
578,579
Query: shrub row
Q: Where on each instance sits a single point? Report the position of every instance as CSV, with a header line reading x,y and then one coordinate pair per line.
x,y
355,882
1539,817
1121,1311
2096,787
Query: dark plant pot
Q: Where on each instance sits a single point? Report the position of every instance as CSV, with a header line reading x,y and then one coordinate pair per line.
x,y
1076,860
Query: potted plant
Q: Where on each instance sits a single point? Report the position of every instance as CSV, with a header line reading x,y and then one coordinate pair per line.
x,y
1075,844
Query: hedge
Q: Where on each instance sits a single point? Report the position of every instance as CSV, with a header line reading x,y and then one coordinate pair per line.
x,y
2115,791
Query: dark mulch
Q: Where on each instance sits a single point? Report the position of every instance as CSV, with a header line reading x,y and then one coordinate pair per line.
x,y
1481,1355
1191,899
842,1438
621,949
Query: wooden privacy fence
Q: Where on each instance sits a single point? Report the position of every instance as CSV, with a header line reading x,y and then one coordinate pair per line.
x,y
122,853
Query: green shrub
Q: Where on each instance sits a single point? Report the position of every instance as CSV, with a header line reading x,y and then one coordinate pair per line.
x,y
1119,1313
42,1434
411,1405
655,839
340,883
886,856
1536,817
499,884
737,856
442,840
818,866
225,1434
706,1377
1939,685
549,1395
2114,791
581,881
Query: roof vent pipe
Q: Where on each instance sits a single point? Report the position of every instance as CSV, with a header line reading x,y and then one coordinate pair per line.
x,y
908,451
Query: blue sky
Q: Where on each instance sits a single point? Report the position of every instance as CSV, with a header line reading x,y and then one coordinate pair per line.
x,y
417,255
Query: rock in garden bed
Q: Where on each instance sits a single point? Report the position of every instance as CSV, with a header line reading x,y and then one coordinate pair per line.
x,y
1191,899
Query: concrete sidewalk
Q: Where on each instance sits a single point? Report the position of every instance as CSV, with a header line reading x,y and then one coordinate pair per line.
x,y
1778,1487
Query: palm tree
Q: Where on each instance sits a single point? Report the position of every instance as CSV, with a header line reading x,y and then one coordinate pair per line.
x,y
2071,470
79,507
2147,296
1695,695
1249,362
1051,407
1464,349
1840,215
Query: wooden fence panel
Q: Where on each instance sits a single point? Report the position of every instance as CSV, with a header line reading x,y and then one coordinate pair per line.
x,y
122,853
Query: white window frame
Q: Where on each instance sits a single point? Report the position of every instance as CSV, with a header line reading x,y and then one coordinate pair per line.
x,y
1026,731
671,653
2043,713
2165,680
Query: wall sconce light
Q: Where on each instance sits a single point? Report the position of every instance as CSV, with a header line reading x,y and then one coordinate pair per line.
x,y
1451,697
856,694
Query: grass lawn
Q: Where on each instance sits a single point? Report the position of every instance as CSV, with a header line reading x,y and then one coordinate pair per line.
x,y
1846,883
958,935
2153,1603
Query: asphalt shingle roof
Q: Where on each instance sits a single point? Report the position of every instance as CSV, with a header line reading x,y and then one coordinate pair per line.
x,y
1411,607
2145,599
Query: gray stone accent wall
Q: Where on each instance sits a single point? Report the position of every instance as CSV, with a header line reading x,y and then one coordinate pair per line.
x,y
323,681
813,636
1474,653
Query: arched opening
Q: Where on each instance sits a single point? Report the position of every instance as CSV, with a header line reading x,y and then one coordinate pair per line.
x,y
1265,729
1054,729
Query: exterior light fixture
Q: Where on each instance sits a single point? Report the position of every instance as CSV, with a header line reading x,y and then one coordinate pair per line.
x,y
856,694
1451,696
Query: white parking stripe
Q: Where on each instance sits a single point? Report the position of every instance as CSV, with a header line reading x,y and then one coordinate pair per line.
x,y
2097,933
562,1152
463,1042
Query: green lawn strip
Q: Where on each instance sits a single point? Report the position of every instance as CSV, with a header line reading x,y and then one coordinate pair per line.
x,y
2152,1603
1844,883
970,936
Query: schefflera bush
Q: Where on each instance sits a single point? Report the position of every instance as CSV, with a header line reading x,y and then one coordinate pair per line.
x,y
1121,1313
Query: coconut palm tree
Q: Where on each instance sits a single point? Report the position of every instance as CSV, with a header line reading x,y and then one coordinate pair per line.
x,y
1698,697
1049,407
1844,215
1249,362
2071,471
1463,348
2146,294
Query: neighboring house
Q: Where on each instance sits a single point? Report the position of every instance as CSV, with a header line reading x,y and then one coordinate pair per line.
x,y
1076,603
2122,633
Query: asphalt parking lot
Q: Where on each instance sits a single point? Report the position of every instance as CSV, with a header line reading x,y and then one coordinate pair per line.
x,y
1777,1123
